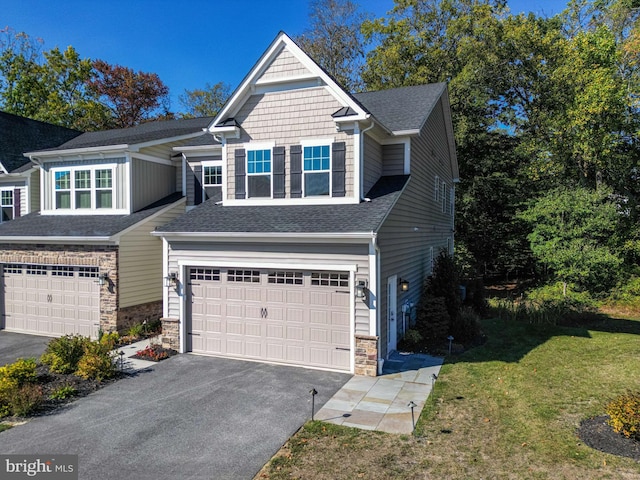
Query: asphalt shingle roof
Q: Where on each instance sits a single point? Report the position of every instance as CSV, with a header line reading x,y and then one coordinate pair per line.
x,y
19,135
405,108
36,225
210,217
144,132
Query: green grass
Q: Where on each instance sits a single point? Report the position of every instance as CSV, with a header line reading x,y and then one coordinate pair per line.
x,y
509,409
4,426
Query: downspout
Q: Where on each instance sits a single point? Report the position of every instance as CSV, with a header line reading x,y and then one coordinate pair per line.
x,y
184,175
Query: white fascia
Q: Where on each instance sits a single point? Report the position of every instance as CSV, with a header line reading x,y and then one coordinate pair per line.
x,y
60,239
363,237
38,157
165,272
198,149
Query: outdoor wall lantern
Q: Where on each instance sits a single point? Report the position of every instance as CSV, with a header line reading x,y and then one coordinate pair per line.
x,y
102,278
404,285
170,279
361,288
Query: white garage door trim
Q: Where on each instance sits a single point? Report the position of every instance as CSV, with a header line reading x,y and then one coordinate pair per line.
x,y
186,264
50,300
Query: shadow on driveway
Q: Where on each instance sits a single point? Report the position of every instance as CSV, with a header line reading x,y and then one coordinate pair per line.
x,y
186,417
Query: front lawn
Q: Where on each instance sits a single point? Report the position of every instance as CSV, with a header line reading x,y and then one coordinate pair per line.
x,y
509,409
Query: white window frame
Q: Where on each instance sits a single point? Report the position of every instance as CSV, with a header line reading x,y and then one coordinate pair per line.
x,y
209,164
317,143
452,200
94,190
436,189
254,147
13,205
443,196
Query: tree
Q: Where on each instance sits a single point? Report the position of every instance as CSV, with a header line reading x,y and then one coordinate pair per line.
x,y
334,40
205,102
571,236
131,97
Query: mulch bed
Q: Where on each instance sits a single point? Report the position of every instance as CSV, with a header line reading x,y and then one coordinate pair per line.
x,y
597,433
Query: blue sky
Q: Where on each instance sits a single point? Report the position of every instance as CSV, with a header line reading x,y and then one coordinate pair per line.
x,y
187,43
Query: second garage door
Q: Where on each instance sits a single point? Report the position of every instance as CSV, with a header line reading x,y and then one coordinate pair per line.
x,y
284,316
51,300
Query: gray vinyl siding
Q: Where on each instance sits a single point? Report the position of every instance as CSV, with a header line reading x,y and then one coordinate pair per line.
x,y
193,162
286,118
393,159
372,169
416,222
34,191
150,182
284,65
140,261
289,253
121,183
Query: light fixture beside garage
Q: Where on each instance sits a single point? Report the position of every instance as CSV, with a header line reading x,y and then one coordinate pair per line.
x,y
102,278
170,279
361,288
404,285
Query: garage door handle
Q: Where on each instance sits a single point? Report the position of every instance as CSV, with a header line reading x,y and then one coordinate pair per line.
x,y
343,291
195,334
344,349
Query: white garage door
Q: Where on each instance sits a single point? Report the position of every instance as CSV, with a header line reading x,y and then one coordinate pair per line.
x,y
295,317
52,300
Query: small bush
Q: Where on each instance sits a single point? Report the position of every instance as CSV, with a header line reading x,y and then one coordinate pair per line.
x,y
136,330
63,354
433,319
109,340
24,399
624,413
22,371
66,391
466,325
96,362
13,377
411,340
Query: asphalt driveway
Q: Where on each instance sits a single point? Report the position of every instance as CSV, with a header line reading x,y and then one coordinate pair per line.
x,y
18,345
187,417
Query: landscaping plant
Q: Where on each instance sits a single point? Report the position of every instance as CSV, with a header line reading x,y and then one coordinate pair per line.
x,y
63,354
624,414
18,393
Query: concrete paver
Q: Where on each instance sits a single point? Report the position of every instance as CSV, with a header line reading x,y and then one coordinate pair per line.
x,y
382,403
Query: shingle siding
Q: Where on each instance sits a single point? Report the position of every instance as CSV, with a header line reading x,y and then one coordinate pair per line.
x,y
286,118
284,65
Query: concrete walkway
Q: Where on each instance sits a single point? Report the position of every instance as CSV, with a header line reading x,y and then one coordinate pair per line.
x,y
382,403
127,363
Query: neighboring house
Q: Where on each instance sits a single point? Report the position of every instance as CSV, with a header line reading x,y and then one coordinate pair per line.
x,y
313,218
19,178
87,260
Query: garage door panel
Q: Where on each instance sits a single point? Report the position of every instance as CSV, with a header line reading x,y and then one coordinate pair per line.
x,y
278,316
50,300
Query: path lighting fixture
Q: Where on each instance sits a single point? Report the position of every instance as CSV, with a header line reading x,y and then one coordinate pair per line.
x,y
404,285
413,420
361,288
170,279
313,393
450,338
102,278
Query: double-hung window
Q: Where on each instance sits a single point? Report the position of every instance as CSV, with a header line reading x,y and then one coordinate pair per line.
x,y
80,188
259,173
6,202
317,170
211,175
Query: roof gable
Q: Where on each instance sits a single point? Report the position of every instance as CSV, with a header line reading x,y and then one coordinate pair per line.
x,y
19,135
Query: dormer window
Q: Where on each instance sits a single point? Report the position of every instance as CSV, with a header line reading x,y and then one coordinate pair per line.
x,y
83,188
259,173
317,170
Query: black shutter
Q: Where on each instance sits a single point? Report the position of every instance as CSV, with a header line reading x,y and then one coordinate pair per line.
x,y
241,191
295,153
278,172
16,203
338,152
197,184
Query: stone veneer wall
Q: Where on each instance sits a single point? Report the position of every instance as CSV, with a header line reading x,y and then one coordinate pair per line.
x,y
102,256
366,355
171,333
145,312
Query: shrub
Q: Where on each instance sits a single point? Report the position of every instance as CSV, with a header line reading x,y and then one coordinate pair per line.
x,y
96,362
466,325
24,399
63,354
624,413
63,392
22,371
445,283
136,330
109,340
433,319
411,340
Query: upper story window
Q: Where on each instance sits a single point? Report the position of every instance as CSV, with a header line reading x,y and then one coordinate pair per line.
x,y
211,175
83,188
317,170
259,173
6,203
